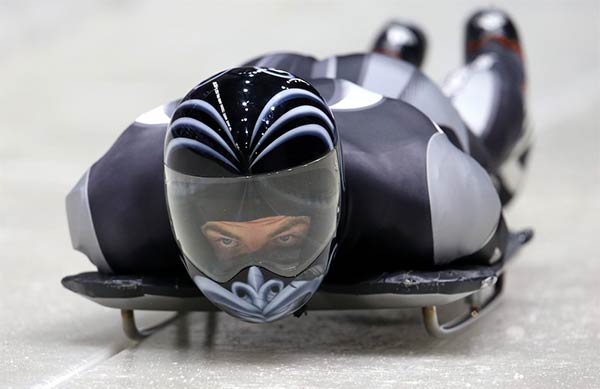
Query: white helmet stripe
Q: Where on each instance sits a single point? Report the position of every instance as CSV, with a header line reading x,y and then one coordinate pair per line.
x,y
204,129
307,129
301,111
280,98
210,111
177,142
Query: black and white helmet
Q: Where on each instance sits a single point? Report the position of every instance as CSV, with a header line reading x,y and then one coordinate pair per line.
x,y
253,188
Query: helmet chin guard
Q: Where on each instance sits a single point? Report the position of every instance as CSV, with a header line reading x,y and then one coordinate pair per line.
x,y
258,301
257,295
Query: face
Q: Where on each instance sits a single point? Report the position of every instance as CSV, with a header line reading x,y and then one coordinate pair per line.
x,y
269,234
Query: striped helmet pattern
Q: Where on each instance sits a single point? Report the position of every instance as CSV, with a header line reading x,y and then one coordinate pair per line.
x,y
246,121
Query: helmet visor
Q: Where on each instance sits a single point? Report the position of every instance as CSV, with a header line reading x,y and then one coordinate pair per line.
x,y
280,221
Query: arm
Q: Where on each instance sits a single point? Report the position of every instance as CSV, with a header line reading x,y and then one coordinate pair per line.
x,y
466,213
117,212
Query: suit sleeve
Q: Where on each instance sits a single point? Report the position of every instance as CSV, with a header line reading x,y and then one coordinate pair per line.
x,y
117,212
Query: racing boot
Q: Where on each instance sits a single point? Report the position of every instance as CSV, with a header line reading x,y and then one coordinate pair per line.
x,y
402,40
487,28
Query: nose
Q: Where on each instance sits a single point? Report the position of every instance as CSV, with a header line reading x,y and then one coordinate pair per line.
x,y
256,240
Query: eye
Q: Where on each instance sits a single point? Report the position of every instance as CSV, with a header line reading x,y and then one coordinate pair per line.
x,y
286,240
227,242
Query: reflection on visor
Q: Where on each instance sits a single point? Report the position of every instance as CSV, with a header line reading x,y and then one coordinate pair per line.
x,y
280,221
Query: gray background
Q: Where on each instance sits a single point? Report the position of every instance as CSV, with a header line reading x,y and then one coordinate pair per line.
x,y
73,74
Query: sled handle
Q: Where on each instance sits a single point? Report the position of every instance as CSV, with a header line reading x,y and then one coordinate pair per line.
x,y
134,333
458,324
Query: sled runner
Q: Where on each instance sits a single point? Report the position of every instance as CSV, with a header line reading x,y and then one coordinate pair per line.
x,y
478,286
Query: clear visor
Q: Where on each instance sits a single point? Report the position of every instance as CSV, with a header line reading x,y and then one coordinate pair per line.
x,y
280,221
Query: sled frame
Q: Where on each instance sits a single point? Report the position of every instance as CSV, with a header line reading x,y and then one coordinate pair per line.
x,y
477,309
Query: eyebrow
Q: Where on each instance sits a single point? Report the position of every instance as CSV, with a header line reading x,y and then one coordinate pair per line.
x,y
220,230
289,224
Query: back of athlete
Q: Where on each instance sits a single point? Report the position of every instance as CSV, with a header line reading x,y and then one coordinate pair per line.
x,y
480,107
424,187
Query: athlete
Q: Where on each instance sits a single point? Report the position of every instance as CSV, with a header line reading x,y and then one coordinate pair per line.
x,y
289,169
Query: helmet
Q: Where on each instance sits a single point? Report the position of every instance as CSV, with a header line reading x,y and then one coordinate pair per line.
x,y
253,189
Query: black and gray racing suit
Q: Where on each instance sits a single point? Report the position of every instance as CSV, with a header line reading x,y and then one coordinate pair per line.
x,y
417,192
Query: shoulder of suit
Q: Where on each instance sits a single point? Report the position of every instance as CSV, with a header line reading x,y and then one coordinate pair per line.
x,y
160,115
